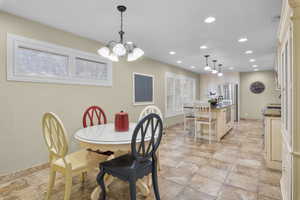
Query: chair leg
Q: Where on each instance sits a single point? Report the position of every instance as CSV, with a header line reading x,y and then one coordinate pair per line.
x,y
195,130
100,180
68,185
200,131
83,176
132,184
158,160
51,182
155,183
209,127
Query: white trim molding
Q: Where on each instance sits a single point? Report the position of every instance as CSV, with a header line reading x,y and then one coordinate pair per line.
x,y
289,148
74,63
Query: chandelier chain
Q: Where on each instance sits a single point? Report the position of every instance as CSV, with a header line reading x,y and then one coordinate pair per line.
x,y
121,31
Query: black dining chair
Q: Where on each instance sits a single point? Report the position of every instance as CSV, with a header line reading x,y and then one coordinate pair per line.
x,y
141,161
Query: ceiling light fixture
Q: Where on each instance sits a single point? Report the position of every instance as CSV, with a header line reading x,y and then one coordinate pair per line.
x,y
252,60
172,52
231,68
179,61
249,52
209,20
244,39
254,66
214,70
220,70
207,67
113,50
256,70
203,47
192,67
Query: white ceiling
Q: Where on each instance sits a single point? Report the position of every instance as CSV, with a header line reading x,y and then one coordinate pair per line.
x,y
160,26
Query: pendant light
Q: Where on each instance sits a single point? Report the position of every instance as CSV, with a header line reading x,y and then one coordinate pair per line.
x,y
220,70
207,67
214,71
113,50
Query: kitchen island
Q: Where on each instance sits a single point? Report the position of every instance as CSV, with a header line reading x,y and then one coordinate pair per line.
x,y
223,113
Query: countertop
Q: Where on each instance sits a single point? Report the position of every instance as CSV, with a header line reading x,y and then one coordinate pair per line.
x,y
272,113
222,105
217,107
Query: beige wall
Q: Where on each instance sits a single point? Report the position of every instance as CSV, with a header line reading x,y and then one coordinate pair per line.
x,y
22,104
211,81
252,104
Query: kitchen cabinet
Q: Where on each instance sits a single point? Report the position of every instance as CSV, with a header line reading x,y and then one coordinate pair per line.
x,y
273,142
288,69
225,121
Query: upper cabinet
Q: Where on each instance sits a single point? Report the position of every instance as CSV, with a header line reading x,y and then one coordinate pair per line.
x,y
286,78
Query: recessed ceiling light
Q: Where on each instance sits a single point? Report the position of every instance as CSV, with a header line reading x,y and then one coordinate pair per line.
x,y
172,52
192,67
203,47
249,52
231,68
244,39
256,70
209,20
254,66
252,60
179,61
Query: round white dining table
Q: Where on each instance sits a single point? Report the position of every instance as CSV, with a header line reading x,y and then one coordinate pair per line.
x,y
105,138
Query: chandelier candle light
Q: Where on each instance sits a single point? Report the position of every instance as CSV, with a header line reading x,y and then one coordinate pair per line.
x,y
214,71
207,67
113,50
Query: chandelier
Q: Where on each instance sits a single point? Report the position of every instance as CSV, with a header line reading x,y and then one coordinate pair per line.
x,y
113,50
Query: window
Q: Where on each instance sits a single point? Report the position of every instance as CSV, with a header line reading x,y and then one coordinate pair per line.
x,y
36,61
179,89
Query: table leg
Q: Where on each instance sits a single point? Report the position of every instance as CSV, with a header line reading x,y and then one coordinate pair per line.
x,y
95,194
149,181
143,187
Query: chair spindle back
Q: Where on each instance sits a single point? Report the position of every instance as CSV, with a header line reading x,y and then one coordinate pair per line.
x,y
94,115
55,136
150,126
150,109
203,110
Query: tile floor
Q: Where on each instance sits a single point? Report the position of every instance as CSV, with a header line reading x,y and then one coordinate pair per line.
x,y
231,170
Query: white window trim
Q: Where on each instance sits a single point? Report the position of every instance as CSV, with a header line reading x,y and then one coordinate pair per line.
x,y
176,76
133,92
14,41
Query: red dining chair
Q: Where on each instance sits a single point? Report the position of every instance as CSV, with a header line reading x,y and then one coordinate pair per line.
x,y
92,116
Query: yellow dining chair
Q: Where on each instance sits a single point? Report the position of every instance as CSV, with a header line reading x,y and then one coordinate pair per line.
x,y
69,165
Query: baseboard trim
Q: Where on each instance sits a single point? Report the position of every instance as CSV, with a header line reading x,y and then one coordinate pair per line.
x,y
21,173
247,119
174,125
